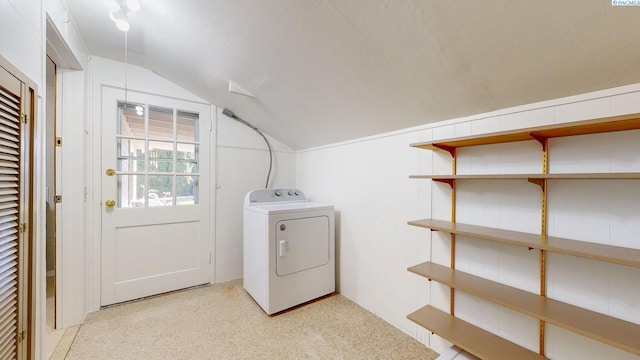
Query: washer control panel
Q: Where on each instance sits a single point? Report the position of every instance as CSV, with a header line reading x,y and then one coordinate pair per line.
x,y
275,195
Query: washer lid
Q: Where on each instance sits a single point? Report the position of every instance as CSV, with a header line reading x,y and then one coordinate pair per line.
x,y
287,207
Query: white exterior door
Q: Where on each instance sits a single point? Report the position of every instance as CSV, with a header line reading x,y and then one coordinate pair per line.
x,y
155,195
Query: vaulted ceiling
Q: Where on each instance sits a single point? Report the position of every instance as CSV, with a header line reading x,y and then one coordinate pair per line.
x,y
324,71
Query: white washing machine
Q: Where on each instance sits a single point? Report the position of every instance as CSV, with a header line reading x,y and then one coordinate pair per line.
x,y
289,248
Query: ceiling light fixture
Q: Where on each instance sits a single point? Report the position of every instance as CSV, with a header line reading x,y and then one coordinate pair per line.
x,y
121,19
121,14
133,5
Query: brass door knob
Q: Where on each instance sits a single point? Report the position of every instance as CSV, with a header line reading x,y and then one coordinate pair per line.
x,y
110,172
110,203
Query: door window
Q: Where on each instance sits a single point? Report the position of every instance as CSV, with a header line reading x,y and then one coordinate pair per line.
x,y
157,156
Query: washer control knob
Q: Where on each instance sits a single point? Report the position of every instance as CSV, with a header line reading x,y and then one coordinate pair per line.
x,y
278,193
297,193
290,192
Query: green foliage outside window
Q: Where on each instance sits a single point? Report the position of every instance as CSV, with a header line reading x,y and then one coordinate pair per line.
x,y
162,161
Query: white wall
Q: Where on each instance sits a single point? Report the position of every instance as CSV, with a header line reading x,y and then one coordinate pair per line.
x,y
368,183
71,266
66,46
21,42
367,180
243,163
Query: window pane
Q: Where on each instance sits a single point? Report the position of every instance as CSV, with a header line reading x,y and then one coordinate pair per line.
x,y
160,156
187,158
131,148
187,152
164,143
131,165
187,126
130,191
160,166
131,120
187,190
160,190
160,123
130,155
186,167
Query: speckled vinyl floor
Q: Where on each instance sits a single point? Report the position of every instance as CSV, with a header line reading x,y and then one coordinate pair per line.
x,y
223,322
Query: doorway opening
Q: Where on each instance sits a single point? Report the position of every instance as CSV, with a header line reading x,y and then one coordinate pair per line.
x,y
53,334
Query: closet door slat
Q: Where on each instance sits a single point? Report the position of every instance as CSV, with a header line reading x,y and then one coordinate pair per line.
x,y
10,126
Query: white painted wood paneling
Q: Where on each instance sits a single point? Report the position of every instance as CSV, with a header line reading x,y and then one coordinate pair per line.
x,y
515,266
504,204
625,151
628,103
566,345
486,125
522,157
511,325
243,163
241,170
624,293
463,129
368,183
531,118
580,154
72,264
444,132
583,110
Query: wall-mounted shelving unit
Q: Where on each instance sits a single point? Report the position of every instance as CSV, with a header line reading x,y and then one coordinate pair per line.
x,y
595,251
583,176
606,329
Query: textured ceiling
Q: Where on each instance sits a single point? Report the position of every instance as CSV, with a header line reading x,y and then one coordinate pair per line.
x,y
330,70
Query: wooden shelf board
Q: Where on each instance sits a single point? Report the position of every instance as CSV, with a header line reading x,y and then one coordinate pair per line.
x,y
609,330
609,124
612,254
470,338
576,176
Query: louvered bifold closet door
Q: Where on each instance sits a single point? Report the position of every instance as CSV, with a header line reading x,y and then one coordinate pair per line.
x,y
9,221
